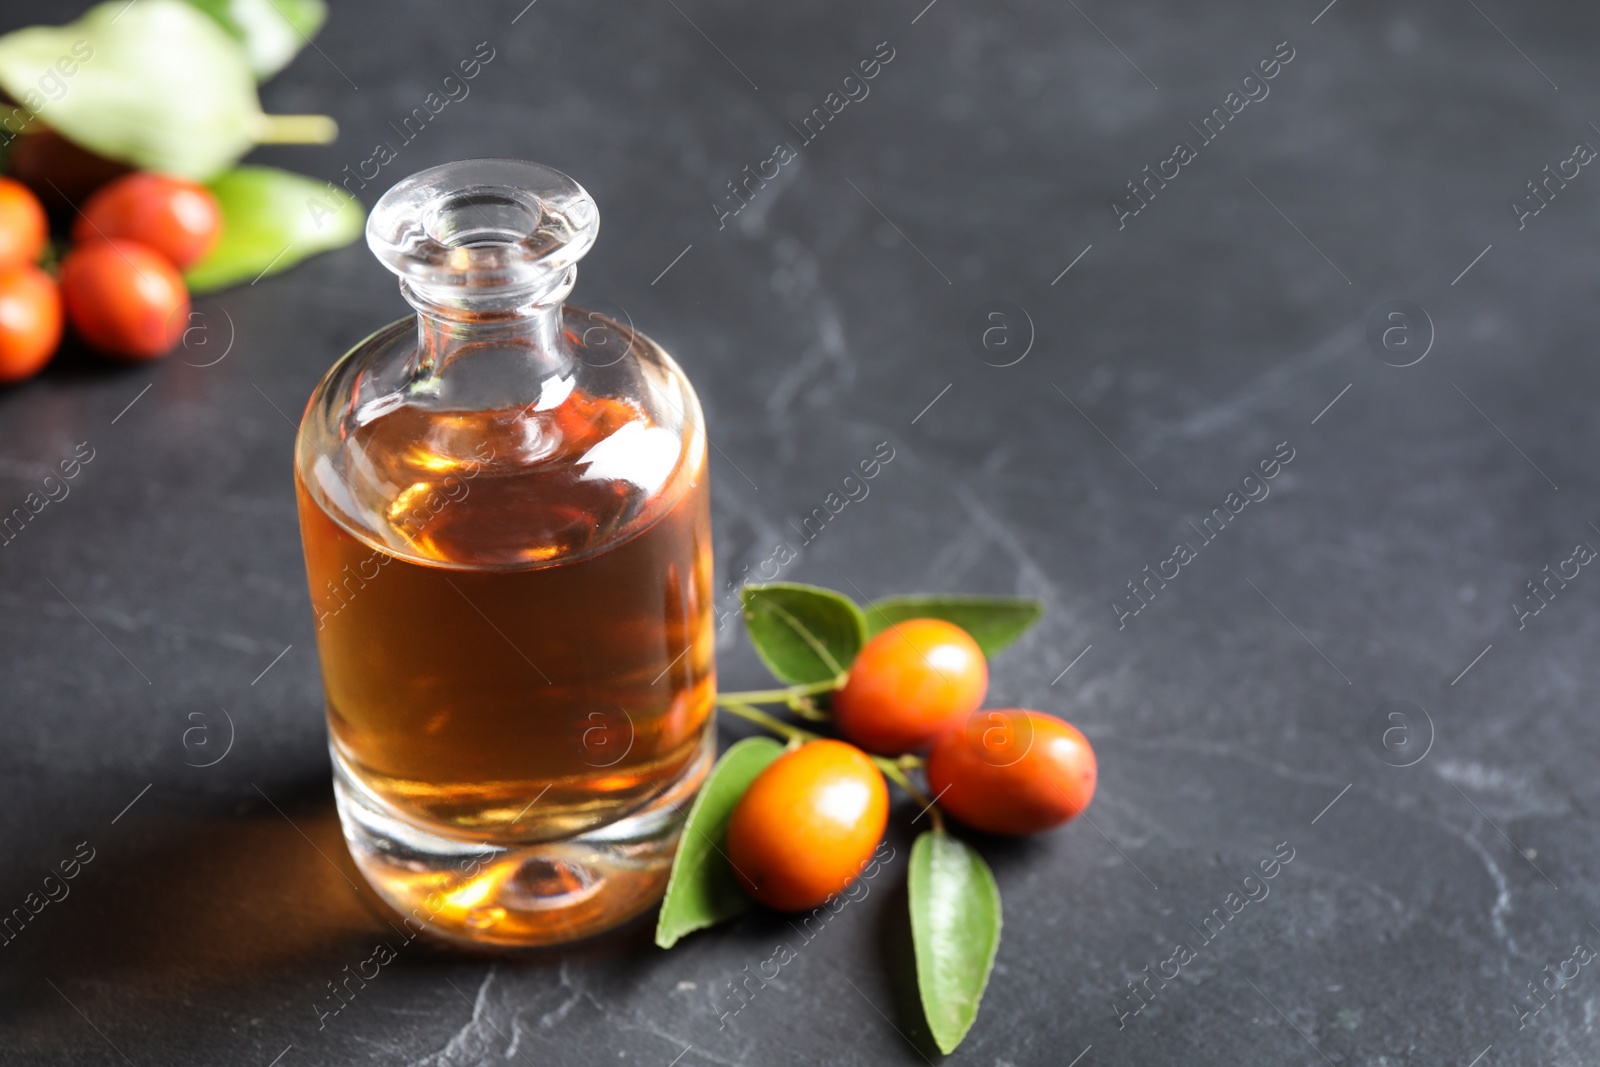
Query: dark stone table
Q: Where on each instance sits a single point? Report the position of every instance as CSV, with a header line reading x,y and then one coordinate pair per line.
x,y
1354,671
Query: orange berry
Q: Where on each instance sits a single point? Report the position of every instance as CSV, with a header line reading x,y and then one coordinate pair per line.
x,y
1013,771
808,825
23,226
909,684
125,300
178,218
30,322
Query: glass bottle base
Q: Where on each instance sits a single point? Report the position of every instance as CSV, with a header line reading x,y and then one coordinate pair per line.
x,y
519,895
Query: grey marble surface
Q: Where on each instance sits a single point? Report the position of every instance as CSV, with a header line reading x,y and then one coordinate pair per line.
x,y
1241,710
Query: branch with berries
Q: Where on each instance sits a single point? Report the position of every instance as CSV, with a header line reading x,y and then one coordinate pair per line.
x,y
892,693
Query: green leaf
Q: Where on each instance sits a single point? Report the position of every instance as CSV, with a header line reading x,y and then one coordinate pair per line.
x,y
803,633
993,621
955,930
271,31
702,890
271,220
156,84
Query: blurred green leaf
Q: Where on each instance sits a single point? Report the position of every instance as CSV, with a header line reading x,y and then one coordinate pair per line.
x,y
702,890
271,31
271,220
803,633
955,932
156,84
993,621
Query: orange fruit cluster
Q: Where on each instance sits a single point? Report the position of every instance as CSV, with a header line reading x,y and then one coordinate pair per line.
x,y
119,286
810,821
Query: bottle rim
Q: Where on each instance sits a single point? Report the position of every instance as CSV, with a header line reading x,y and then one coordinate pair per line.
x,y
483,230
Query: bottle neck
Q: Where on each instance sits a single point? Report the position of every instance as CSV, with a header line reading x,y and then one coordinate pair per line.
x,y
451,326
486,250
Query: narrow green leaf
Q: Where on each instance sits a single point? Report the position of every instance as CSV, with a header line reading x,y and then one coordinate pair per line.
x,y
271,220
955,930
271,31
803,633
993,621
702,891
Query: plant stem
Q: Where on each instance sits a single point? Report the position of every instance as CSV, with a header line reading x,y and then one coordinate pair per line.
x,y
894,770
806,708
294,129
787,730
782,696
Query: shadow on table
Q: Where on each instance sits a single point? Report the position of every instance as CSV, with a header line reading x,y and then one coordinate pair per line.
x,y
259,903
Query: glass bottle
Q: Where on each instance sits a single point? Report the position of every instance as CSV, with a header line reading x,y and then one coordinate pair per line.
x,y
505,512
